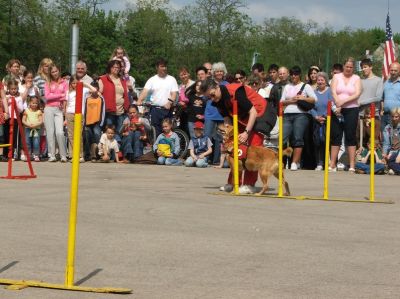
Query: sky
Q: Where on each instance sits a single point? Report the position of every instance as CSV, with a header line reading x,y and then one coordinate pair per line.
x,y
363,14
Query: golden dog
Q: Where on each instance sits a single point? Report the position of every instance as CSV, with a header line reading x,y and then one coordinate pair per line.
x,y
261,159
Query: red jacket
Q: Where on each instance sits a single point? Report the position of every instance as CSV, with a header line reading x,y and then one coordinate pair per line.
x,y
109,94
258,101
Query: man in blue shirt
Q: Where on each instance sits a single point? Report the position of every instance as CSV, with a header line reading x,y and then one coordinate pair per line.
x,y
391,93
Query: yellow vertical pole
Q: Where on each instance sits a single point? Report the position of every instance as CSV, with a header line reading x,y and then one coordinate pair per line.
x,y
70,267
280,151
372,156
327,147
235,148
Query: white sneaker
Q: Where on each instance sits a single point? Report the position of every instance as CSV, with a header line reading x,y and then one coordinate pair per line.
x,y
294,166
23,157
63,160
82,160
319,168
340,166
245,189
390,172
52,159
226,188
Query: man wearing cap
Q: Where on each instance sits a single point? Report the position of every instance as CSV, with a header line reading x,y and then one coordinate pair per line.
x,y
200,147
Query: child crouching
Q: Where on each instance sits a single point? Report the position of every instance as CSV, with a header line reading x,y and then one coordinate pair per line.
x,y
108,146
200,147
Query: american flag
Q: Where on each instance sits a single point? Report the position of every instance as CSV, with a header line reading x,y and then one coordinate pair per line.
x,y
389,56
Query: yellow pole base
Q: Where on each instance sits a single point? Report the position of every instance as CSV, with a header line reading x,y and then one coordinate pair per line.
x,y
305,198
5,145
22,284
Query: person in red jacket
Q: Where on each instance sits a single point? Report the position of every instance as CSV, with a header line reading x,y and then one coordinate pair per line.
x,y
115,93
250,106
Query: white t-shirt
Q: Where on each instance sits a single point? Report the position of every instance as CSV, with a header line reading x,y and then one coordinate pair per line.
x,y
71,100
160,89
291,91
106,145
31,92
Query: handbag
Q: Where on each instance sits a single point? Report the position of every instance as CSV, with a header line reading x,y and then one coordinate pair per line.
x,y
303,104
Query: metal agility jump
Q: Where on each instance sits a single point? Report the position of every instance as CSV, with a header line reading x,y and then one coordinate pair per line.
x,y
325,196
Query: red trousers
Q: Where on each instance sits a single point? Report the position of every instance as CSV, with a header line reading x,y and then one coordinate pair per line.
x,y
250,177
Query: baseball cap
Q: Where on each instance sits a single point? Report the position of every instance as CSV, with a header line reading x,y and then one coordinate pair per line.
x,y
198,125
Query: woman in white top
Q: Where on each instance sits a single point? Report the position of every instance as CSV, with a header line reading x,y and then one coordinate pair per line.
x,y
296,120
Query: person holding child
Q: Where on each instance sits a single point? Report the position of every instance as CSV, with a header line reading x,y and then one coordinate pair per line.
x,y
200,147
133,134
108,145
33,121
391,142
167,145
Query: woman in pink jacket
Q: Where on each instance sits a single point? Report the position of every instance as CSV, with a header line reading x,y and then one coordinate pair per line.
x,y
55,91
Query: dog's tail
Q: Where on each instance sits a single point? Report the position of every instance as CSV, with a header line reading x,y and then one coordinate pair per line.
x,y
287,152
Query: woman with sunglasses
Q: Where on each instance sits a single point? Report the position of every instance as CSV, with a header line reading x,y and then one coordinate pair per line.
x,y
250,105
296,120
240,76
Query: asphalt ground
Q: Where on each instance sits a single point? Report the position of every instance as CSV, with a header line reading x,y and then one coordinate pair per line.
x,y
163,233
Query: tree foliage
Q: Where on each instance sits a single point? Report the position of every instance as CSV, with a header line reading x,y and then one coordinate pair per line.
x,y
208,30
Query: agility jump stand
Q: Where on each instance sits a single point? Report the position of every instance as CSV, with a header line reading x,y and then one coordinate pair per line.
x,y
70,265
325,196
10,146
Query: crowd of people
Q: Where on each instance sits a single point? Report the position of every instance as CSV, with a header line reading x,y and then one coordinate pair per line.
x,y
115,129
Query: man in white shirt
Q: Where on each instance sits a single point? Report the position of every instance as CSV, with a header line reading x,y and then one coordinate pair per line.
x,y
163,90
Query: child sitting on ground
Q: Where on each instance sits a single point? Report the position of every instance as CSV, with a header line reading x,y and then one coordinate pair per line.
x,y
363,160
33,121
167,145
108,146
391,142
200,147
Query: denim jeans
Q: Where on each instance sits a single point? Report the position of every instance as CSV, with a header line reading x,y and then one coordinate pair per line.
x,y
32,142
294,126
191,129
385,120
157,115
132,146
210,130
116,120
169,161
199,163
379,167
392,162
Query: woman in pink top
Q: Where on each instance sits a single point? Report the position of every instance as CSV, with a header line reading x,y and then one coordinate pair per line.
x,y
346,89
55,91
